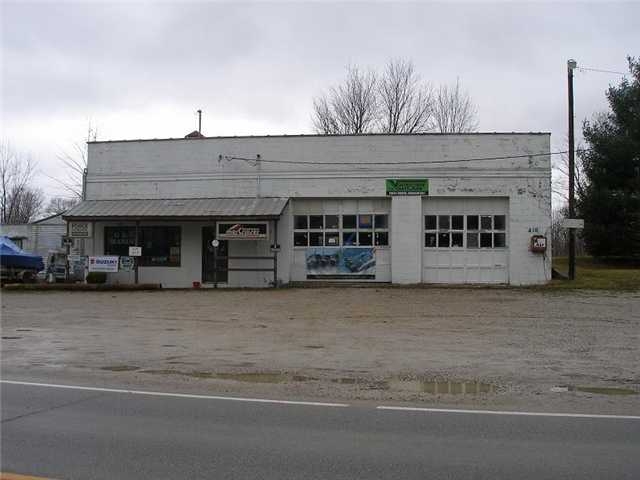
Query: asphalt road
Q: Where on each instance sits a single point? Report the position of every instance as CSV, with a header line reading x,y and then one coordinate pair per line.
x,y
69,434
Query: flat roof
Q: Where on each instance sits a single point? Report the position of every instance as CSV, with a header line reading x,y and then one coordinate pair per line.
x,y
316,135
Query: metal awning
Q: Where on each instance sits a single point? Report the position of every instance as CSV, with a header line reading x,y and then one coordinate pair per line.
x,y
186,208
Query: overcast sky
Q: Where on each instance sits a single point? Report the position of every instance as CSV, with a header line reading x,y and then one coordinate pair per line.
x,y
140,70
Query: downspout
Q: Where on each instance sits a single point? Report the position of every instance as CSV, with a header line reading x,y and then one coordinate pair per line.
x,y
275,253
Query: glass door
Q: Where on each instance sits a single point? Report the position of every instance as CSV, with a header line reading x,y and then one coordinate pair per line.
x,y
215,259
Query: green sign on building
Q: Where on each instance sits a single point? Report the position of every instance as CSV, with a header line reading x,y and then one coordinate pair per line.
x,y
407,186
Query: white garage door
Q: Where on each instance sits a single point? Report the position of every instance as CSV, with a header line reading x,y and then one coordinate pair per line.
x,y
465,240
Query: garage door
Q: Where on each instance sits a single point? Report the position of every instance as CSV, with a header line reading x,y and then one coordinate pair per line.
x,y
465,240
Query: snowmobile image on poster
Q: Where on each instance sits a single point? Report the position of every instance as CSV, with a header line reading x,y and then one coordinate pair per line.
x,y
341,262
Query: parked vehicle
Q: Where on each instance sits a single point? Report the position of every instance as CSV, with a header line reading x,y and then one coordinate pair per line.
x,y
16,265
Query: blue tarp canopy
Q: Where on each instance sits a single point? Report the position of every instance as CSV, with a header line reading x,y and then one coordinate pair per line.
x,y
12,256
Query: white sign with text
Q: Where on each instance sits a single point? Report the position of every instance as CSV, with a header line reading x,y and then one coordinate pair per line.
x,y
105,263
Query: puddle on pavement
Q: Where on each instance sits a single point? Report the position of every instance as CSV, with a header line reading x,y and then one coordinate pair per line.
x,y
434,387
595,390
120,368
345,380
420,386
441,387
238,377
605,390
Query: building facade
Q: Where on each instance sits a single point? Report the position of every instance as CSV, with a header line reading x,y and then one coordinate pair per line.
x,y
41,237
261,211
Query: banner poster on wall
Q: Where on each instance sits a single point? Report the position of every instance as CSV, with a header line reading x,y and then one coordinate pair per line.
x,y
341,262
104,263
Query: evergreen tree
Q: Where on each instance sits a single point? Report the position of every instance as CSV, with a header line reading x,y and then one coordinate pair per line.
x,y
610,202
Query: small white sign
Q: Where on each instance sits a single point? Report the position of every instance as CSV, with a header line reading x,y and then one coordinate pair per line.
x,y
573,223
135,251
105,263
215,243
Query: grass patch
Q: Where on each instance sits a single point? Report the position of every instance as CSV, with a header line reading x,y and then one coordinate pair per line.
x,y
595,275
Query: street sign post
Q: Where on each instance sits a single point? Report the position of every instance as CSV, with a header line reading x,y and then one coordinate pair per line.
x,y
573,223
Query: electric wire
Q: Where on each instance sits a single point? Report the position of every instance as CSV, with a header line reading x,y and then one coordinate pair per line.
x,y
408,162
599,70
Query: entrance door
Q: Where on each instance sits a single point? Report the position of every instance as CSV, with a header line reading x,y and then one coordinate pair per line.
x,y
215,260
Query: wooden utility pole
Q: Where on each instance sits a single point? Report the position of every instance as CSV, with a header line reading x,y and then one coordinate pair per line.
x,y
571,65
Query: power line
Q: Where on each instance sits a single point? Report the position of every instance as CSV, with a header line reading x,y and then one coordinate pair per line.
x,y
600,70
415,162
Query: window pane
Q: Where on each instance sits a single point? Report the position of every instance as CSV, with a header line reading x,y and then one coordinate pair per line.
x,y
348,221
315,239
365,238
485,240
430,240
300,222
485,222
457,222
118,239
331,222
443,222
160,246
381,221
300,239
457,239
349,238
498,222
316,222
472,222
499,240
332,239
472,239
443,240
382,238
365,221
430,222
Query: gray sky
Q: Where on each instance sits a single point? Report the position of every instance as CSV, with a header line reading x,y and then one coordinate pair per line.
x,y
140,70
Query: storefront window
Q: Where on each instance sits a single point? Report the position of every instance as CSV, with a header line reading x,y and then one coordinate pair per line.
x,y
337,230
160,245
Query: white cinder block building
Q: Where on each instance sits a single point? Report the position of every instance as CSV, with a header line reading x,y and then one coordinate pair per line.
x,y
406,209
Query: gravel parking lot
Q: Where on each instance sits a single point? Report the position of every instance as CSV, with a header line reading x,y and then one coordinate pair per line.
x,y
494,347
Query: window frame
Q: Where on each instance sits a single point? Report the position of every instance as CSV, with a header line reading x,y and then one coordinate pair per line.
x,y
143,231
447,229
341,231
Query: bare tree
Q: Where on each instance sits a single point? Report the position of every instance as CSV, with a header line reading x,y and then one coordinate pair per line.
x,y
560,175
406,104
75,164
454,111
350,107
20,202
58,205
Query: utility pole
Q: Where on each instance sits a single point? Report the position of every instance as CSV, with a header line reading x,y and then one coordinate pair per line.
x,y
571,65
